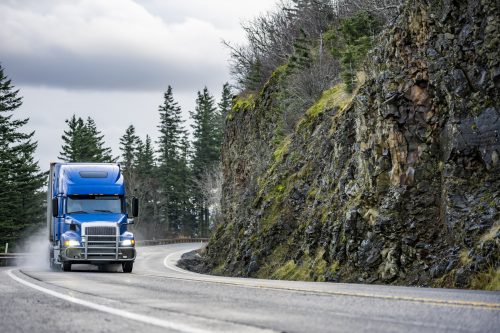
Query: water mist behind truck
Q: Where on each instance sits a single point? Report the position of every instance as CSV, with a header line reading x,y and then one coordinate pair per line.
x,y
87,216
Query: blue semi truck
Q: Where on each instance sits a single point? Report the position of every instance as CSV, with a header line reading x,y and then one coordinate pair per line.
x,y
87,216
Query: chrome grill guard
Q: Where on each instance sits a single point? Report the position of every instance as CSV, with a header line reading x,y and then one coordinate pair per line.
x,y
101,241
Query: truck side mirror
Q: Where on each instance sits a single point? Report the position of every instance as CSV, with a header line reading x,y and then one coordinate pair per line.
x,y
135,207
55,207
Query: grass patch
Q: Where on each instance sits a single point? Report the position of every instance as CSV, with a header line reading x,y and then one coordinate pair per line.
x,y
464,257
335,97
278,72
273,261
284,271
241,103
445,281
244,102
219,270
309,268
281,150
492,233
489,280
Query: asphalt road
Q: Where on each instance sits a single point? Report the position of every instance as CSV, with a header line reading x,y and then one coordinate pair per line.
x,y
159,297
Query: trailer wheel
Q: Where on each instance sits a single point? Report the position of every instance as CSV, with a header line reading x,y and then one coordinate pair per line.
x,y
127,266
66,266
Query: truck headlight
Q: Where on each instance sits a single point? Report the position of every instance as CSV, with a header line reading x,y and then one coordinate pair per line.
x,y
128,242
71,243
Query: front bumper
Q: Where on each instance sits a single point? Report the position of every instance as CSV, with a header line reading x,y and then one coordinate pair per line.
x,y
100,242
105,254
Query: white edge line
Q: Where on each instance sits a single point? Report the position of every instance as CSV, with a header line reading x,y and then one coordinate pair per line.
x,y
176,268
207,278
103,308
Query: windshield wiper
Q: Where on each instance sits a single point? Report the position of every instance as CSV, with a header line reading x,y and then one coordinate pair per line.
x,y
78,212
103,211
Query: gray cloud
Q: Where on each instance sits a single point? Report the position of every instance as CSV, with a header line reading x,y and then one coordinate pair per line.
x,y
127,72
113,44
112,60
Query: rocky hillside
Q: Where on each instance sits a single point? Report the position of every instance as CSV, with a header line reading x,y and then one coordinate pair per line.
x,y
396,183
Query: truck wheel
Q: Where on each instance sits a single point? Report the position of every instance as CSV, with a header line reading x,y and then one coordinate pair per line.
x,y
127,266
66,266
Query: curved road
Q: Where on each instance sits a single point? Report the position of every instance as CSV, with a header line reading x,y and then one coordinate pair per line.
x,y
160,297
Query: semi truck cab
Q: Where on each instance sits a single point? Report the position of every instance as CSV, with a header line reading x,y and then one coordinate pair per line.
x,y
87,216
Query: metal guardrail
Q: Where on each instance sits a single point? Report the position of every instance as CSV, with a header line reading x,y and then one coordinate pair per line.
x,y
8,259
170,241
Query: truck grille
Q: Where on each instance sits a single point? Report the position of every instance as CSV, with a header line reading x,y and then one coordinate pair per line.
x,y
101,242
100,230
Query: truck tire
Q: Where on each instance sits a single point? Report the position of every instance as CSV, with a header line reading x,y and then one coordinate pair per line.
x,y
66,266
127,266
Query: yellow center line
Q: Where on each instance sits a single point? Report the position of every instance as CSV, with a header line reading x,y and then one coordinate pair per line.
x,y
435,301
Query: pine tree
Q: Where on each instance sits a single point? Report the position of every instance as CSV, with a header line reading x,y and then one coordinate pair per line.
x,y
145,163
82,142
73,147
185,189
224,106
206,150
356,38
205,144
226,100
170,128
147,189
301,58
100,153
21,199
255,77
129,143
170,164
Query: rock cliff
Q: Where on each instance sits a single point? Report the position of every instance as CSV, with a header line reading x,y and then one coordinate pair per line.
x,y
396,183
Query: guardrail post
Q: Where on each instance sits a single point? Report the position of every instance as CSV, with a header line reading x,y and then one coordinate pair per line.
x,y
6,247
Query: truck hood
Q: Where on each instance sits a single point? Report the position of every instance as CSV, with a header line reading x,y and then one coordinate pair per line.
x,y
97,217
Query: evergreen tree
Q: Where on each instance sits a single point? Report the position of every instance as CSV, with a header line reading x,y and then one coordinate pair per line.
x,y
206,146
170,128
185,189
301,58
219,118
129,144
21,201
147,189
205,143
82,142
100,153
255,77
145,163
224,106
351,42
171,175
74,149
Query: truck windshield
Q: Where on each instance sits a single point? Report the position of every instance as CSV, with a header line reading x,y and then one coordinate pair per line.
x,y
94,204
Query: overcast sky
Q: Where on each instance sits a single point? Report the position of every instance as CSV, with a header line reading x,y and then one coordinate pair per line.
x,y
112,60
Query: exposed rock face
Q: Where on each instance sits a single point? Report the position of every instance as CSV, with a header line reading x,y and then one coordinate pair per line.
x,y
402,185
